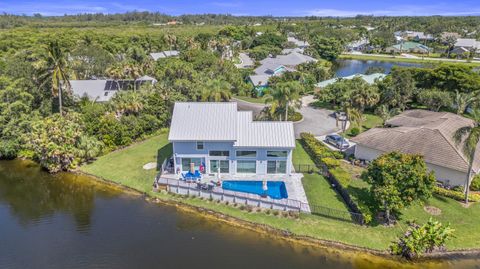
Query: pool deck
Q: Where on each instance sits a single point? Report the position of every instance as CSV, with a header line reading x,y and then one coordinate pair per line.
x,y
293,182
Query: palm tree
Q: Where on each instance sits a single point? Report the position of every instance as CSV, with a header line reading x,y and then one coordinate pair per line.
x,y
385,113
463,100
469,136
283,95
56,71
217,90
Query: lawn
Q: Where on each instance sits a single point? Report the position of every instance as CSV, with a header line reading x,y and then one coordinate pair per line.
x,y
370,121
389,58
256,100
125,167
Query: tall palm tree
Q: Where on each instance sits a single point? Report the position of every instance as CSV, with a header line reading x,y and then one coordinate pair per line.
x,y
56,71
463,100
469,136
283,95
217,90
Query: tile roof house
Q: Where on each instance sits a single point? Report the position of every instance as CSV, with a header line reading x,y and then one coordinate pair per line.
x,y
468,44
217,134
408,46
422,132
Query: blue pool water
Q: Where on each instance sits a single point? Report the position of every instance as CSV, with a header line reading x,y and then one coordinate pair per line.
x,y
276,189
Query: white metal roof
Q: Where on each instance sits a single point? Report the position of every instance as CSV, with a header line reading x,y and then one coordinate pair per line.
x,y
204,122
222,122
164,54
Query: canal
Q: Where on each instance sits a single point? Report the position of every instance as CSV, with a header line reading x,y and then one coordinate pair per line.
x,y
72,221
346,67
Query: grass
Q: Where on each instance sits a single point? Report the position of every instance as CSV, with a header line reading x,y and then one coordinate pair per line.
x,y
256,100
125,167
371,121
389,58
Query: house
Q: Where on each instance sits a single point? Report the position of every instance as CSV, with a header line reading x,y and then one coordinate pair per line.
x,y
370,79
422,132
445,36
164,54
298,43
358,45
216,136
274,66
469,44
245,61
102,90
413,35
408,46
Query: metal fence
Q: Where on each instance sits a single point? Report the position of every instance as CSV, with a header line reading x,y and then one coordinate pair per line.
x,y
305,168
336,214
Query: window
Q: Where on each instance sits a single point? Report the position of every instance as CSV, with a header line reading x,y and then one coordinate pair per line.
x,y
187,161
219,153
200,146
276,167
224,166
247,167
277,154
247,153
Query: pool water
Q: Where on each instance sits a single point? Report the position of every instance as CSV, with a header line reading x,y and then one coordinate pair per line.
x,y
276,189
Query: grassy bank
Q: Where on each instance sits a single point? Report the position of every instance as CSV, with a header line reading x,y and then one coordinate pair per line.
x,y
388,58
259,100
125,167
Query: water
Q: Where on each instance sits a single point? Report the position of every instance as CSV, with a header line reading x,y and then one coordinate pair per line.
x,y
71,221
275,189
343,68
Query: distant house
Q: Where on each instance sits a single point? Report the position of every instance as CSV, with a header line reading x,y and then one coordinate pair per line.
x,y
422,132
298,43
164,54
274,66
358,45
413,35
412,47
214,137
469,44
102,90
447,35
370,79
245,61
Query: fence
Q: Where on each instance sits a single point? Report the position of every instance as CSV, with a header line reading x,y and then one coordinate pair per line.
x,y
305,168
336,214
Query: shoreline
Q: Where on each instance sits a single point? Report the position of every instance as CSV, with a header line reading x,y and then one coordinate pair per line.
x,y
328,245
389,58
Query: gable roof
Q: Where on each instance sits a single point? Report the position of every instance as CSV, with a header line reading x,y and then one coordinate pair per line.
x,y
370,79
467,43
100,90
422,132
290,61
411,45
297,42
222,122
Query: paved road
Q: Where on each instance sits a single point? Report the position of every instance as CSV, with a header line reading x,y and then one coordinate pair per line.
x,y
316,121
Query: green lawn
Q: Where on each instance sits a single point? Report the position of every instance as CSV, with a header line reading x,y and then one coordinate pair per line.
x,y
259,100
371,121
389,58
125,167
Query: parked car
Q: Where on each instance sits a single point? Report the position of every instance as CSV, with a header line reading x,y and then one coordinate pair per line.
x,y
337,141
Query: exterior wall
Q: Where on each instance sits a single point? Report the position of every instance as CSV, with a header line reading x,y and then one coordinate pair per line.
x,y
189,149
446,175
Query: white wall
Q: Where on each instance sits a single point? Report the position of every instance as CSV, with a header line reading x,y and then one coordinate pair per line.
x,y
190,149
443,174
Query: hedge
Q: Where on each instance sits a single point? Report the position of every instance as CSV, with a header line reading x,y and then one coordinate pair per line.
x,y
456,195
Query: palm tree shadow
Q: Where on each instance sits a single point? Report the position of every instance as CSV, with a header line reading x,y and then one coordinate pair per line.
x,y
163,153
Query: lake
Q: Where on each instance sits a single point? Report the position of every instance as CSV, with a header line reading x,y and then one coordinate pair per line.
x,y
72,221
345,67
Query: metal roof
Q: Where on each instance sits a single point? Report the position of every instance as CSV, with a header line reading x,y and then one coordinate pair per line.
x,y
222,122
370,79
99,90
164,54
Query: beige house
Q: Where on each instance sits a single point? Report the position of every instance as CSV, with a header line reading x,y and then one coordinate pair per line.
x,y
422,132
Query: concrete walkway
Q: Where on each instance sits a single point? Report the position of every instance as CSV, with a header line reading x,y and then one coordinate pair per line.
x,y
317,121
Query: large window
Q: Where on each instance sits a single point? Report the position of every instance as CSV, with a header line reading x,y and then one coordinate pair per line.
x,y
277,154
187,161
247,167
219,153
224,166
246,153
276,167
200,145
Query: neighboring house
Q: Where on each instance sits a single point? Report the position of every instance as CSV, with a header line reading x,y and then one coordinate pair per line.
x,y
298,43
370,79
102,90
216,135
469,44
164,54
274,66
413,35
459,51
412,47
447,35
358,45
246,61
421,132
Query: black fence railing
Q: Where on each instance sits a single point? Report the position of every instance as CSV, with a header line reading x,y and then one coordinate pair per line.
x,y
305,168
336,214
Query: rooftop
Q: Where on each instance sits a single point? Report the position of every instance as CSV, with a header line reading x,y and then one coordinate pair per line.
x,y
370,79
164,54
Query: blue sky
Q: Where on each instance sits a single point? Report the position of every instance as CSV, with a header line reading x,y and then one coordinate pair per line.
x,y
342,8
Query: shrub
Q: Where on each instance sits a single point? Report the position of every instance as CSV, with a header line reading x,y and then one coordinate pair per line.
x,y
456,195
342,176
475,185
354,131
330,162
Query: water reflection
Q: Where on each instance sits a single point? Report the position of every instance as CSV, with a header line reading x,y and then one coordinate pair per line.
x,y
344,67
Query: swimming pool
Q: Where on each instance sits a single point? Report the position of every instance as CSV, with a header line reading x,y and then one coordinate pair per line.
x,y
276,189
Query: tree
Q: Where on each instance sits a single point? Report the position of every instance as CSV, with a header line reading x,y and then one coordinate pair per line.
x,y
469,136
418,240
397,89
464,100
216,90
397,180
362,95
383,112
435,99
56,71
283,95
327,48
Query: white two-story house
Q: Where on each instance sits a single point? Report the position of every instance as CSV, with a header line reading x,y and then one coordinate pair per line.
x,y
216,136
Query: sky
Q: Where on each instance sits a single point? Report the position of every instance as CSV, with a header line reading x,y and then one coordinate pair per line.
x,y
342,8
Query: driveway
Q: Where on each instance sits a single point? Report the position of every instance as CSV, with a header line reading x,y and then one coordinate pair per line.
x,y
316,121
